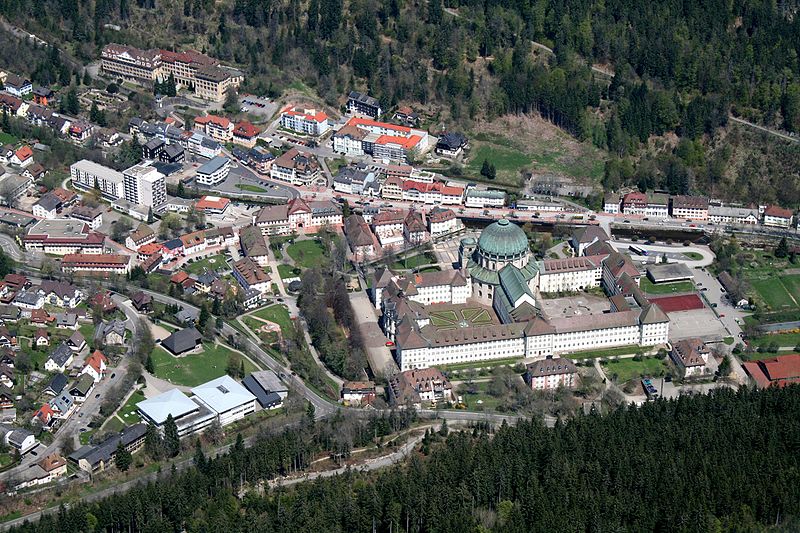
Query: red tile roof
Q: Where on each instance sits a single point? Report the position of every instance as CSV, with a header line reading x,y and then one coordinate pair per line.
x,y
222,122
308,114
778,212
245,129
95,360
212,202
24,153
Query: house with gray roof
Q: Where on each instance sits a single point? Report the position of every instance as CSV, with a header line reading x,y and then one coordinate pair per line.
x,y
182,341
96,458
56,385
111,332
60,359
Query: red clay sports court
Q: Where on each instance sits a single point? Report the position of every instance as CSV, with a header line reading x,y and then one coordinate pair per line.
x,y
673,304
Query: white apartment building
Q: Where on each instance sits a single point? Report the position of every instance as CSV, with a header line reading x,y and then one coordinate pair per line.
x,y
732,215
86,174
144,185
484,198
551,373
213,172
778,217
308,121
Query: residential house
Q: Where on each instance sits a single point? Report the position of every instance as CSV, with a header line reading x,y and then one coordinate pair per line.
x,y
254,245
56,385
60,293
36,171
95,366
142,302
634,203
245,134
41,337
110,333
23,157
359,237
17,85
358,393
92,216
45,416
102,300
76,342
419,386
584,237
6,397
251,276
778,217
182,341
63,404
442,221
60,358
690,356
66,320
82,389
406,116
102,456
47,206
42,95
451,144
6,376
414,228
551,373
218,128
7,339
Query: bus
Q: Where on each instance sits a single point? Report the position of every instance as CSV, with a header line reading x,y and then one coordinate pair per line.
x,y
637,250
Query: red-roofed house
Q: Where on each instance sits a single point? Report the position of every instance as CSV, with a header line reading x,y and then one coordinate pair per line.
x,y
245,134
95,366
634,203
308,121
432,193
45,416
212,205
777,371
778,217
218,128
379,139
23,156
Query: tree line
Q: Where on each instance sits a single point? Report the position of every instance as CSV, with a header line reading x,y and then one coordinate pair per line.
x,y
722,462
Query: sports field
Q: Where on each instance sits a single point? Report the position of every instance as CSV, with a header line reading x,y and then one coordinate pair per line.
x,y
780,293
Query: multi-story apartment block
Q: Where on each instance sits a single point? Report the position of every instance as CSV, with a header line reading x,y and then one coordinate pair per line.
x,y
87,175
144,185
213,172
245,134
689,207
734,215
63,236
308,121
362,104
295,167
360,136
218,128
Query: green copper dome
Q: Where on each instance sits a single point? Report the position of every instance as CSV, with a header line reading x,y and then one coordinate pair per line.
x,y
503,239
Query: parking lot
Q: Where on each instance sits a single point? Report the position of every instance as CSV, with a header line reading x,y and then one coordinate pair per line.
x,y
255,105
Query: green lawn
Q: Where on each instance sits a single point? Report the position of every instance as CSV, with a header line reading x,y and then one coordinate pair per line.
x,y
287,271
783,339
776,292
85,437
279,314
482,400
306,254
627,369
87,330
608,352
213,262
5,459
128,411
114,424
414,261
250,188
450,318
693,256
507,160
38,357
7,138
194,369
665,288
481,364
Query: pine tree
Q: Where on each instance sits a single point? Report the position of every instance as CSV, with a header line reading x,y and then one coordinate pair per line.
x,y
204,316
149,365
172,442
199,456
782,249
6,122
122,457
485,168
241,369
150,217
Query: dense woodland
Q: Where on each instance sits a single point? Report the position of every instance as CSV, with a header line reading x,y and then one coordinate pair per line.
x,y
723,462
672,67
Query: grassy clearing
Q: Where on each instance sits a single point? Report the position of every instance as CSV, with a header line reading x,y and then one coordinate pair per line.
x,y
779,293
608,352
482,364
279,314
665,288
415,261
533,145
194,369
250,188
693,256
287,271
7,138
481,400
85,437
306,254
782,339
127,412
114,424
628,369
5,459
214,262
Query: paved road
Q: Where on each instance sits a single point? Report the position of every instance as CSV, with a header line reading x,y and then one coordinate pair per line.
x,y
762,128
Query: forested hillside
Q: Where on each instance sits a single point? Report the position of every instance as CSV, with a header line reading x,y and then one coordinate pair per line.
x,y
679,67
723,462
